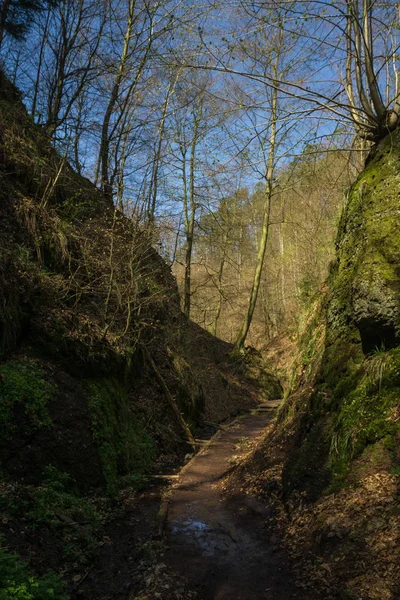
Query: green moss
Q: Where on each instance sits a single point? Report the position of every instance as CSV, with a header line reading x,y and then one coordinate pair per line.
x,y
57,505
388,443
57,495
24,385
356,382
366,399
346,594
16,266
125,447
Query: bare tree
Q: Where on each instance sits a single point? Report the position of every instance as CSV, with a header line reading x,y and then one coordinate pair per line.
x,y
274,48
373,118
146,22
73,42
157,152
16,15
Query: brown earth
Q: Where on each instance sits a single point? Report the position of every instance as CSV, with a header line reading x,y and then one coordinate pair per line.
x,y
222,547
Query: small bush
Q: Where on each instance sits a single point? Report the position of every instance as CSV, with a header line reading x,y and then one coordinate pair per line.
x,y
17,583
56,508
24,384
56,497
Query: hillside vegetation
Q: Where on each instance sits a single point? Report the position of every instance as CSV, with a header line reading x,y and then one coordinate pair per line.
x,y
100,372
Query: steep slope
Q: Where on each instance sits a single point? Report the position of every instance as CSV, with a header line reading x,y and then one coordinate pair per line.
x,y
100,373
331,463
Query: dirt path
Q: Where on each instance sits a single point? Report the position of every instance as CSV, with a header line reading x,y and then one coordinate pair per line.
x,y
223,548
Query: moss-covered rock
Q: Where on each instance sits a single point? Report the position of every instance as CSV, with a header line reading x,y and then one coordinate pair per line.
x,y
365,285
125,447
258,371
350,353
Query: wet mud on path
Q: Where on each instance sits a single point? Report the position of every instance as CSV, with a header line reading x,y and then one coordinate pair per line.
x,y
222,547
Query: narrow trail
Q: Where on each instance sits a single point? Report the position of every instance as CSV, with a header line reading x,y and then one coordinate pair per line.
x,y
222,547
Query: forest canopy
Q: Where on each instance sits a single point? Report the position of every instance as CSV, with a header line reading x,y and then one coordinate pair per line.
x,y
228,130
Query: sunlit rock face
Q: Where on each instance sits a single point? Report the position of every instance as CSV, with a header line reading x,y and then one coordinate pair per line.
x,y
354,401
366,281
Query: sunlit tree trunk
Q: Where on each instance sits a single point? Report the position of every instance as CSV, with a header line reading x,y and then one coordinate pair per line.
x,y
189,209
268,193
220,289
282,270
158,153
104,152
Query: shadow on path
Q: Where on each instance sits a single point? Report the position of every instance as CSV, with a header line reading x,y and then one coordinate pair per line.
x,y
224,549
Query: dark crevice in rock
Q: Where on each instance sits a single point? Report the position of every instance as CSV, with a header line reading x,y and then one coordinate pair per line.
x,y
377,335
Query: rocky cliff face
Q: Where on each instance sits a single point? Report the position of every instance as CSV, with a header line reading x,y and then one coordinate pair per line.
x,y
365,282
356,364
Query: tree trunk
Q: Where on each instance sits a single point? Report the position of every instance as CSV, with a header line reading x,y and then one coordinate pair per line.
x,y
157,158
244,330
219,305
104,152
3,19
190,212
